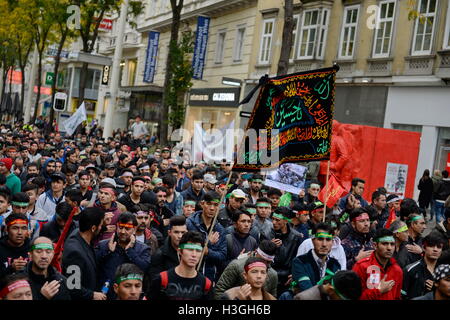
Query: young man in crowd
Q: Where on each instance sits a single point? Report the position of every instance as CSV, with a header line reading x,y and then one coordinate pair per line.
x,y
401,253
233,204
106,202
274,195
263,224
166,257
55,226
19,204
254,191
46,282
357,190
192,284
34,213
135,196
239,240
201,221
195,191
441,287
418,276
48,200
358,245
255,275
381,276
15,245
128,284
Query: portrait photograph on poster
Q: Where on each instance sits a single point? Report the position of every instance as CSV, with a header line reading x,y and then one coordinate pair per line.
x,y
395,181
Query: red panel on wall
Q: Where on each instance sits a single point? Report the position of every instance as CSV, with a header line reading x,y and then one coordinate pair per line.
x,y
364,152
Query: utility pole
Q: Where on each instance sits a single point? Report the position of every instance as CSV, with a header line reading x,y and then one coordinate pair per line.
x,y
29,99
107,132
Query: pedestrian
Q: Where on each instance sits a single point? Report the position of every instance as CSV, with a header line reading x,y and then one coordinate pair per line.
x,y
255,275
441,195
426,191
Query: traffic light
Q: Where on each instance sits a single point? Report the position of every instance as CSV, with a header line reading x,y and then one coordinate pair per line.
x,y
60,101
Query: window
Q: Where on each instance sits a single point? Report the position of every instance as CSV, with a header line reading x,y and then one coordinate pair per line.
x,y
266,41
383,33
294,37
239,44
322,41
447,30
131,72
348,32
220,46
423,32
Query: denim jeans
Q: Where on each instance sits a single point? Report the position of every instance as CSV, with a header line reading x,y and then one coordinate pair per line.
x,y
432,208
439,210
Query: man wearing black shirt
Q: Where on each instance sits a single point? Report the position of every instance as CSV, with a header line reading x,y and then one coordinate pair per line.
x,y
183,282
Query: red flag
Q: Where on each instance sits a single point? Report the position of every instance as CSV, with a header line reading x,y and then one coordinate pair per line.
x,y
392,218
59,247
335,191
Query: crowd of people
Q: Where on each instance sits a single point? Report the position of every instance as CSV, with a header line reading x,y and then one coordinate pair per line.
x,y
86,218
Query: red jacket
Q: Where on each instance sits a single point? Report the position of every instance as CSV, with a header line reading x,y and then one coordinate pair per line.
x,y
371,273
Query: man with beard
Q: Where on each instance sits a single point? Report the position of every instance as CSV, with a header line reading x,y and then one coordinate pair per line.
x,y
79,256
120,249
358,245
254,192
128,282
308,269
46,282
48,168
163,213
15,245
381,276
145,234
234,202
287,240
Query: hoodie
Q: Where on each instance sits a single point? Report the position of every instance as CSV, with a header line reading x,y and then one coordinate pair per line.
x,y
44,169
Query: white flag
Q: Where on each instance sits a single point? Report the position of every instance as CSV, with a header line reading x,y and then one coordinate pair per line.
x,y
78,117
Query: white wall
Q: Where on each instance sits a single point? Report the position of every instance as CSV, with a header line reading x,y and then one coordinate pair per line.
x,y
428,107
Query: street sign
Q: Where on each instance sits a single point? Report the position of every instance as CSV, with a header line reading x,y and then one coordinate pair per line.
x,y
244,114
106,24
60,101
49,78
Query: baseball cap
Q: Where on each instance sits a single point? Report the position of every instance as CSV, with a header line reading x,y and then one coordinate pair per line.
x,y
58,176
210,178
110,181
110,165
238,193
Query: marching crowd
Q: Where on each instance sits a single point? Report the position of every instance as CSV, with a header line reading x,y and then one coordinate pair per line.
x,y
86,218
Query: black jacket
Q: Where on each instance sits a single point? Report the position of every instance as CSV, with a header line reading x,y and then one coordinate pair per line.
x,y
37,282
165,258
225,215
414,277
404,257
9,253
443,191
426,192
78,253
52,231
235,244
286,253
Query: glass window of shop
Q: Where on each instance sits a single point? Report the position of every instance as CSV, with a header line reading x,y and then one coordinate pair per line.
x,y
211,118
442,149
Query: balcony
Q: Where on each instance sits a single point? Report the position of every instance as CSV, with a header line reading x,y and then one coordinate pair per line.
x,y
379,67
419,65
443,69
131,40
305,65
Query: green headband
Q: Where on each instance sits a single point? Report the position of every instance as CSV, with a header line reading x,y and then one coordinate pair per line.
x,y
131,276
263,204
19,204
189,203
256,180
279,216
415,218
251,210
402,229
156,180
44,246
386,239
329,275
191,246
337,292
323,235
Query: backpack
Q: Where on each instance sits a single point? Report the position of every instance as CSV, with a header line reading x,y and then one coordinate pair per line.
x,y
165,281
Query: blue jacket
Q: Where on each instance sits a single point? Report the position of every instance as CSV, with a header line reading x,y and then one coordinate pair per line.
x,y
306,272
108,261
189,193
217,253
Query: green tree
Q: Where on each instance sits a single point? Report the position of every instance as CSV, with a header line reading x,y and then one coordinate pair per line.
x,y
181,68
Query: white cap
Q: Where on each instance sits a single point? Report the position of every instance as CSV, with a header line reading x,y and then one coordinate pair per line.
x,y
238,193
209,178
110,181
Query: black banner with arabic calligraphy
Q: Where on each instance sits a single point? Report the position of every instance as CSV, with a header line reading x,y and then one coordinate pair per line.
x,y
301,107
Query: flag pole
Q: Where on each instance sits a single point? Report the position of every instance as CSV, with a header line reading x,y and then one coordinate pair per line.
x,y
326,191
